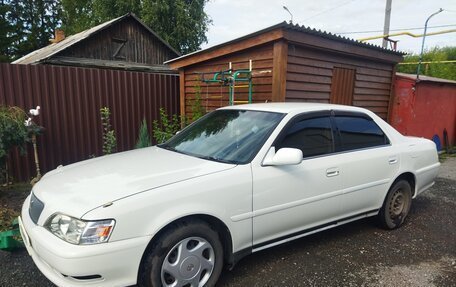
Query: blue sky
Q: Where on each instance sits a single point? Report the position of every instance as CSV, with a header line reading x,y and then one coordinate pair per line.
x,y
235,18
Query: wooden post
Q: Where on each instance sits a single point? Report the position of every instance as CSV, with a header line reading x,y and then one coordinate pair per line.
x,y
182,94
37,163
279,71
392,96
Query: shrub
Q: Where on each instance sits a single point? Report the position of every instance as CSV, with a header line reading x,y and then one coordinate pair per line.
x,y
13,132
143,136
197,108
168,126
109,136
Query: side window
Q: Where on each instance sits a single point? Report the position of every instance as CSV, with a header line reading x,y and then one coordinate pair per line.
x,y
313,136
359,132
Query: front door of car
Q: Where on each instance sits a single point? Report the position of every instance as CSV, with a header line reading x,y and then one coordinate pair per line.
x,y
290,199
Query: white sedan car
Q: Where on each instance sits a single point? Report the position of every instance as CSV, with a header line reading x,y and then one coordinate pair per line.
x,y
239,180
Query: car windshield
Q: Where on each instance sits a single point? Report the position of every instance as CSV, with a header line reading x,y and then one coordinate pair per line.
x,y
230,136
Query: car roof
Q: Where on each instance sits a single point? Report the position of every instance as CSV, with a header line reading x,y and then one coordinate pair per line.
x,y
290,107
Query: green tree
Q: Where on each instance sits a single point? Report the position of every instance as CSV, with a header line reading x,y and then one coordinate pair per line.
x,y
77,16
182,23
105,10
439,70
5,32
31,25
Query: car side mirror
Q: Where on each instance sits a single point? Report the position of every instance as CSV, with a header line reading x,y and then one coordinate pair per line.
x,y
284,156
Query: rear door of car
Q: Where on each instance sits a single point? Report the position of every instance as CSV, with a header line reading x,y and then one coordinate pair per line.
x,y
369,162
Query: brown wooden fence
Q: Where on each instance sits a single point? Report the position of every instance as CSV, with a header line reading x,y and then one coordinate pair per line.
x,y
70,99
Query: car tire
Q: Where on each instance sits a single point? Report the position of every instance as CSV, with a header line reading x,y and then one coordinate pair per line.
x,y
189,253
396,205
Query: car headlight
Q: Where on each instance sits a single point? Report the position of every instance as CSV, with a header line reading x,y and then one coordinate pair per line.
x,y
77,231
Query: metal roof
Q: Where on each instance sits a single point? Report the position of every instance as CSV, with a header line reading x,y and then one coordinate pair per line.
x,y
299,28
338,38
52,49
426,78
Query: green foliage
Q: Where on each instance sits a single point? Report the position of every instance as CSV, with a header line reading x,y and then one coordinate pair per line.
x,y
439,70
197,108
13,132
182,23
77,15
143,137
167,127
104,10
109,136
29,24
6,28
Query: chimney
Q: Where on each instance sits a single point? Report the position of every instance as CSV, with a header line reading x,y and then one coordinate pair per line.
x,y
59,36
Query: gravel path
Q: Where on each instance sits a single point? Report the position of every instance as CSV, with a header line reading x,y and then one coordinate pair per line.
x,y
421,253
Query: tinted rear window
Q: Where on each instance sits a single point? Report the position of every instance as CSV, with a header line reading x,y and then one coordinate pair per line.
x,y
359,132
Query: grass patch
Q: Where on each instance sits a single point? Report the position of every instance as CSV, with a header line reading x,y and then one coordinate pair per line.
x,y
443,156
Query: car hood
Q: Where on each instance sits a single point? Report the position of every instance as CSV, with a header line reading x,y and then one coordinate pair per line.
x,y
78,188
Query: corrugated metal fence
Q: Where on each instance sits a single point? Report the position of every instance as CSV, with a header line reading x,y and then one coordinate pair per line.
x,y
70,100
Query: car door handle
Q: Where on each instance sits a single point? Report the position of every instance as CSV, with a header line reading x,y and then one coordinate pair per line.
x,y
392,160
330,172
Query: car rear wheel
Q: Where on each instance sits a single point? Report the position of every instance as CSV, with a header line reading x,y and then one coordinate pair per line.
x,y
189,254
396,206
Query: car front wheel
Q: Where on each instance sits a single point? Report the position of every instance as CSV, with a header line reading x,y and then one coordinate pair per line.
x,y
188,254
396,206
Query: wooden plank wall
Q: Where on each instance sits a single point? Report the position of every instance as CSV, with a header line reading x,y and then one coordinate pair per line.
x,y
262,79
309,77
141,46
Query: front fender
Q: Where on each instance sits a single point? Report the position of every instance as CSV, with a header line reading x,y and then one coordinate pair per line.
x,y
222,195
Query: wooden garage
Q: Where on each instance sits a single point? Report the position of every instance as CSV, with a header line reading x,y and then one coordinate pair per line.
x,y
287,62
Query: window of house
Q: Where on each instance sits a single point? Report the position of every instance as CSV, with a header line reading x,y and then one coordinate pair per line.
x,y
359,132
313,136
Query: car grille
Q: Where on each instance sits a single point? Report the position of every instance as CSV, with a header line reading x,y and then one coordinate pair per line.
x,y
35,208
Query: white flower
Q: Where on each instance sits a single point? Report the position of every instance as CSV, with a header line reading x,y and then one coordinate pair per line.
x,y
28,122
35,112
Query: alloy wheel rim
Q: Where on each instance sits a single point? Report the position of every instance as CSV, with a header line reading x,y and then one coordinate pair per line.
x,y
189,263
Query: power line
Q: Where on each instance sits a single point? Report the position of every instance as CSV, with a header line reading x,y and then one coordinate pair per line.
x,y
401,29
328,10
429,62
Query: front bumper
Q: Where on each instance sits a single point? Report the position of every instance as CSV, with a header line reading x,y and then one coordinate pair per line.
x,y
107,264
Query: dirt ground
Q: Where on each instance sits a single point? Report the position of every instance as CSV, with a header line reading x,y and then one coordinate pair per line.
x,y
421,253
11,199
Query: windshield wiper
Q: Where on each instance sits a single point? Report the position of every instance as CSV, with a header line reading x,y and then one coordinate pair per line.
x,y
213,158
167,147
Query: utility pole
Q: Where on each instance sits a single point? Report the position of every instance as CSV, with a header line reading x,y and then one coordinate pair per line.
x,y
386,26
